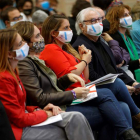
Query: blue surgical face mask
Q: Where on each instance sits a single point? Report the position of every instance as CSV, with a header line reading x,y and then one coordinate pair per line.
x,y
45,5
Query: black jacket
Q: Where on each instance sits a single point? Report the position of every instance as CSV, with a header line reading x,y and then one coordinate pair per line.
x,y
96,66
6,132
133,65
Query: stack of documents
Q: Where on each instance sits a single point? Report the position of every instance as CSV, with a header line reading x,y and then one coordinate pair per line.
x,y
107,79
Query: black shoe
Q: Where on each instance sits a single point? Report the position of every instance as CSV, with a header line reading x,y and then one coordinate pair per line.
x,y
130,135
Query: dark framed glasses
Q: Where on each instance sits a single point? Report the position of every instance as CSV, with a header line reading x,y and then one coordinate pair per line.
x,y
18,18
94,20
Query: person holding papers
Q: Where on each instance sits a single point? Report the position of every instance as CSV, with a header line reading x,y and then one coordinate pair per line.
x,y
13,97
63,59
43,87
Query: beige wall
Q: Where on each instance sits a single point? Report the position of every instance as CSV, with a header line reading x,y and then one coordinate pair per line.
x,y
66,5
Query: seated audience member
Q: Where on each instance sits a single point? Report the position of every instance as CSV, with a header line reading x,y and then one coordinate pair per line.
x,y
42,5
135,31
38,18
13,97
77,7
103,61
26,9
122,57
43,87
6,132
57,33
53,6
120,21
3,5
10,16
103,4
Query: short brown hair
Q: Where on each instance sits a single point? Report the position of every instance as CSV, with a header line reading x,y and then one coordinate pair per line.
x,y
4,14
25,29
113,16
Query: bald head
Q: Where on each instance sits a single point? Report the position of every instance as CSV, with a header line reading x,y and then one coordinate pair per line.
x,y
100,11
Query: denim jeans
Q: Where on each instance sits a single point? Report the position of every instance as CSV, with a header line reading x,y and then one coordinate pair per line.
x,y
105,107
98,122
122,94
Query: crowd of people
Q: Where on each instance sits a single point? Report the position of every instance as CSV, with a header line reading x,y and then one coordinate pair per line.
x,y
47,58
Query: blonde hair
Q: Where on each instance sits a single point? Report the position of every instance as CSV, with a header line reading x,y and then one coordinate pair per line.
x,y
53,23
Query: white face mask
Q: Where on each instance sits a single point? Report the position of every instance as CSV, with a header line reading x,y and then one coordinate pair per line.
x,y
22,52
14,22
95,29
65,36
126,22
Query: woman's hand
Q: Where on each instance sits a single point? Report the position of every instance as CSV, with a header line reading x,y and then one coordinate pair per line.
x,y
55,109
49,113
81,92
75,78
106,37
82,49
87,57
130,89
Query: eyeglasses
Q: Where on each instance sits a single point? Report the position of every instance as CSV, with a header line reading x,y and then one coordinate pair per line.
x,y
18,18
94,20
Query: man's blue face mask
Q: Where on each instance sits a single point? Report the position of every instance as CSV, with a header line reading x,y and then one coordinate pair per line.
x,y
46,6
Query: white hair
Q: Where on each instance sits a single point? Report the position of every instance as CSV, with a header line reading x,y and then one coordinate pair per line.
x,y
81,16
39,16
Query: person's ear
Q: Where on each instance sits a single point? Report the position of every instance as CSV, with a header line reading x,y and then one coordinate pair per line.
x,y
11,55
54,33
81,26
7,23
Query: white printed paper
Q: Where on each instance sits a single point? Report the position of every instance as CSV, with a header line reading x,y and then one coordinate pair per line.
x,y
50,121
90,96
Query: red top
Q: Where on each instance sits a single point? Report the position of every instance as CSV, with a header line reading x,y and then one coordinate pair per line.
x,y
13,98
60,62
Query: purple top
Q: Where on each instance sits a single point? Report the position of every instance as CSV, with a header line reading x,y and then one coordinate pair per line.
x,y
119,53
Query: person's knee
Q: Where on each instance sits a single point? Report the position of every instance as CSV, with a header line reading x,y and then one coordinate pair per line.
x,y
118,81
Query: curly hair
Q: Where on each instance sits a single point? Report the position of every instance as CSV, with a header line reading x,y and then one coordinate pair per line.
x,y
113,16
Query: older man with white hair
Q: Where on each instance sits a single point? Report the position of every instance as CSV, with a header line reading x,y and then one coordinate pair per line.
x,y
38,18
89,28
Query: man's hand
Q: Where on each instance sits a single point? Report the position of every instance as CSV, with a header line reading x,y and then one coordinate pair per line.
x,y
106,37
137,90
120,65
75,78
130,89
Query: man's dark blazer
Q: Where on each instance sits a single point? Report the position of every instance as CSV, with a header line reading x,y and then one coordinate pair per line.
x,y
96,66
6,132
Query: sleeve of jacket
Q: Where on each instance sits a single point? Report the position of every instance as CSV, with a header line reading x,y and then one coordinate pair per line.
x,y
64,82
14,110
92,74
133,65
34,90
116,50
